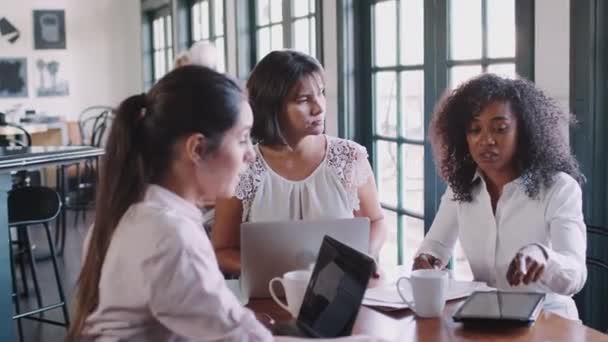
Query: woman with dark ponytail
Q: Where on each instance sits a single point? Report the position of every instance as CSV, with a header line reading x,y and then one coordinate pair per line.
x,y
149,272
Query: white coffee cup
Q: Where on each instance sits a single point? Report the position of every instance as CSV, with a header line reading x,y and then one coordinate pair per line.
x,y
429,289
294,283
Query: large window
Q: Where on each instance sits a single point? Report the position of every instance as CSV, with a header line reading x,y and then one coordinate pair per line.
x,y
207,24
162,43
398,122
408,75
286,24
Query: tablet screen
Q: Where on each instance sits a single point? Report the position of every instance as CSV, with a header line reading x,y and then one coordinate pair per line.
x,y
501,305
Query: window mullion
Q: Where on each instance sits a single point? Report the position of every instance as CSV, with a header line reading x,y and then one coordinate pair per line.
x,y
211,21
400,185
484,35
287,24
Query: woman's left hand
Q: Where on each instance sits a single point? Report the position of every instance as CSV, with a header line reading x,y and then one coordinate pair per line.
x,y
527,266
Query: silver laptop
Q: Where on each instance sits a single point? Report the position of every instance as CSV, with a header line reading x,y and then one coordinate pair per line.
x,y
270,249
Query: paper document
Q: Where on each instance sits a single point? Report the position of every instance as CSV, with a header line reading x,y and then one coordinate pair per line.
x,y
386,297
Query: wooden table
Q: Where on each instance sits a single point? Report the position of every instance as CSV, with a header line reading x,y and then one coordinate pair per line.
x,y
14,159
403,326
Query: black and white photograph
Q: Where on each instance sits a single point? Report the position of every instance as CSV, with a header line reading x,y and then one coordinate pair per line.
x,y
13,77
50,81
49,29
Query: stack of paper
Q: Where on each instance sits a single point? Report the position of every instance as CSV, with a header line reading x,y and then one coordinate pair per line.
x,y
386,298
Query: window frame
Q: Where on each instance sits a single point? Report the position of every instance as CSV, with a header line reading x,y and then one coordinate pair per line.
x,y
213,36
165,14
287,23
356,90
150,12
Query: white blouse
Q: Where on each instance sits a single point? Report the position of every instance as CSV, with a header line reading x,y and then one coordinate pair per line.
x,y
330,191
490,241
160,280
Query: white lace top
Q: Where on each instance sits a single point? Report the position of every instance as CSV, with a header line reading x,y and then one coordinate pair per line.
x,y
330,191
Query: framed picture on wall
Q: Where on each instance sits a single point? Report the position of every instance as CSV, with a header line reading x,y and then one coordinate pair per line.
x,y
13,77
49,29
51,81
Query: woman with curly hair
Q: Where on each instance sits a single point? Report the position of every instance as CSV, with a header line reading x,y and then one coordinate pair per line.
x,y
514,198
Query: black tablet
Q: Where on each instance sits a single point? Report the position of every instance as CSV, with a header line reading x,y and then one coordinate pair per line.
x,y
508,307
335,291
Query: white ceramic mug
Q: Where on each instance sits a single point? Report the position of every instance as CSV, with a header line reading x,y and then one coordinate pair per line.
x,y
429,289
294,283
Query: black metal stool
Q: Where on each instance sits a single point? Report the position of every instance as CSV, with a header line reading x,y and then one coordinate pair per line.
x,y
33,206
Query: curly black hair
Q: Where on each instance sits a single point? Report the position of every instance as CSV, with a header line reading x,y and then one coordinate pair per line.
x,y
542,148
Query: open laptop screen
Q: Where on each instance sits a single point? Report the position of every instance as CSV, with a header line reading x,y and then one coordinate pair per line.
x,y
335,290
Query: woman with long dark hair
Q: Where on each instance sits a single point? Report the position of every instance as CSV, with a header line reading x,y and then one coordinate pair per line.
x,y
514,197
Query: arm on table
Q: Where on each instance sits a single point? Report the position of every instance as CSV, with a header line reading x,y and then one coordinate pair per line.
x,y
226,234
369,206
438,244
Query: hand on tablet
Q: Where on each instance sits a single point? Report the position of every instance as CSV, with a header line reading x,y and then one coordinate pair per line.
x,y
527,266
426,261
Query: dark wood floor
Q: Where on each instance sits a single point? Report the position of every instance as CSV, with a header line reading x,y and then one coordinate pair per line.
x,y
69,266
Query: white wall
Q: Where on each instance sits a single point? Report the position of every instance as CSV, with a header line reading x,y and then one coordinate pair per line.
x,y
102,59
552,49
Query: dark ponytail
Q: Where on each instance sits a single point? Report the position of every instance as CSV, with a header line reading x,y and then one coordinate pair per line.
x,y
190,99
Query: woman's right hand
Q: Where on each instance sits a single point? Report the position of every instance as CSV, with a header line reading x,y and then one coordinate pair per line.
x,y
426,261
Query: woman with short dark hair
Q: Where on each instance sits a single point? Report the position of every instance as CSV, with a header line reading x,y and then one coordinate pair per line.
x,y
299,173
514,197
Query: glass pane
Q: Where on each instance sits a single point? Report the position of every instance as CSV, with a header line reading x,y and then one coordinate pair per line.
x,y
459,74
196,21
385,34
412,178
462,269
388,253
300,8
158,67
221,58
169,59
263,12
501,28
276,11
412,32
386,103
156,32
218,17
263,42
504,70
387,172
169,32
161,34
412,104
205,20
162,64
313,37
413,234
465,29
276,38
301,35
